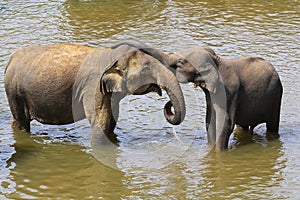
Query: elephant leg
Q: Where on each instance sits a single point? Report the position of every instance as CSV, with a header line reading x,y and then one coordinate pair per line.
x,y
107,118
210,121
21,118
223,137
273,125
211,127
99,137
225,122
102,116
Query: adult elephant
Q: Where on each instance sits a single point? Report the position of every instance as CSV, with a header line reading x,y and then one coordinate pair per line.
x,y
63,83
245,91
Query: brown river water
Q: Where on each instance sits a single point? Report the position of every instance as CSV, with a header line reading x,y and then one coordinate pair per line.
x,y
155,160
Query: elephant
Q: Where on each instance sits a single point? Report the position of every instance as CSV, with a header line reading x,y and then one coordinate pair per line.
x,y
63,83
244,91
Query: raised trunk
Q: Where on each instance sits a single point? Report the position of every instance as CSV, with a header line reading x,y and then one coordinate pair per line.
x,y
167,81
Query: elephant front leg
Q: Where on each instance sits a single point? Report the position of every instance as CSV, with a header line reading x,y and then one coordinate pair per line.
x,y
102,133
224,135
107,116
225,121
210,125
210,120
106,122
102,117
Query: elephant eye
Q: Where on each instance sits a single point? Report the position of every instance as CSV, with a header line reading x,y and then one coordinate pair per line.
x,y
146,65
181,62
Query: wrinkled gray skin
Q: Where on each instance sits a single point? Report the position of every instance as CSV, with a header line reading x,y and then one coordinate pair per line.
x,y
63,83
245,91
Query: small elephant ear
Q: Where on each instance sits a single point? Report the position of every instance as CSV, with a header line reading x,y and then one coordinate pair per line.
x,y
210,76
111,79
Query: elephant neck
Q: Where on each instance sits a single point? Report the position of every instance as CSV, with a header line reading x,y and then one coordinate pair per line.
x,y
230,62
219,60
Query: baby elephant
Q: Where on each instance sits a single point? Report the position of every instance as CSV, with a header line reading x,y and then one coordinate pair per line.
x,y
63,83
245,91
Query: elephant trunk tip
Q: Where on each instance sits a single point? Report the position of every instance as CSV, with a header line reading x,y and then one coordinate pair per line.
x,y
172,118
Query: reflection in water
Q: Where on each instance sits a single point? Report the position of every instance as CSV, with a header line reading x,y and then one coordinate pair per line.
x,y
242,172
103,19
244,137
59,170
251,170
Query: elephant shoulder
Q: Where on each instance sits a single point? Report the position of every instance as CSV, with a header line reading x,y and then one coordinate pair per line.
x,y
89,73
229,76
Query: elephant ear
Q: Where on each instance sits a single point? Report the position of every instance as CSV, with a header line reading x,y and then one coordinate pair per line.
x,y
209,77
111,79
212,66
204,61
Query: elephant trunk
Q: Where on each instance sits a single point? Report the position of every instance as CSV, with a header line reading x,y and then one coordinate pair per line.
x,y
167,81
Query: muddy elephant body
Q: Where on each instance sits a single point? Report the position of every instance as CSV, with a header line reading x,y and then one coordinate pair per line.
x,y
63,83
258,92
39,82
245,91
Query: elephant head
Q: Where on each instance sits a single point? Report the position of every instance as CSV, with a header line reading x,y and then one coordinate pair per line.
x,y
198,65
168,61
136,72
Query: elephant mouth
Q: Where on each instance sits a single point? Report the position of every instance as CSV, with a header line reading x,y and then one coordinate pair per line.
x,y
199,83
149,88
